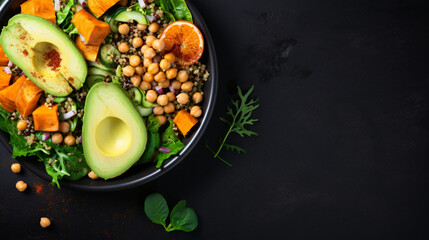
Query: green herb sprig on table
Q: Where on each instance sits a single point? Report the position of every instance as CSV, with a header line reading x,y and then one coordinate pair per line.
x,y
241,115
181,217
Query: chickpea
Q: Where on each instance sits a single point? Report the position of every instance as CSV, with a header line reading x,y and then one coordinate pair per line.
x,y
141,27
135,60
171,96
45,222
153,27
124,29
169,108
161,119
144,47
137,42
158,110
147,62
197,97
148,77
182,76
164,64
128,71
158,45
160,77
21,186
57,138
171,73
64,127
153,68
182,98
136,80
187,86
162,100
164,84
149,53
151,96
149,40
196,111
70,140
176,84
170,57
123,47
145,86
21,125
139,70
92,175
16,168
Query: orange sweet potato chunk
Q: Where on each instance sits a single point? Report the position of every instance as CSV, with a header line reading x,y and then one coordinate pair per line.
x,y
93,30
28,97
184,121
8,95
89,51
99,7
4,78
41,8
4,60
46,118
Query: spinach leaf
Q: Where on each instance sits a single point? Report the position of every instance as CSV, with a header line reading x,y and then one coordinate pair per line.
x,y
180,10
184,219
171,141
152,124
156,208
181,204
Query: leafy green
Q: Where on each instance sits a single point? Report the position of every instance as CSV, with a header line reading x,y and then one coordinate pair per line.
x,y
241,116
171,141
64,18
156,208
175,10
181,217
152,124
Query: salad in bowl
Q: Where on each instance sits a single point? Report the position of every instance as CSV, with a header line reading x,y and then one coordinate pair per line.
x,y
95,88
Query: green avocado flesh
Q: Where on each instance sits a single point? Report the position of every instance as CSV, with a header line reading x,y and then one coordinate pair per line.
x,y
45,54
114,134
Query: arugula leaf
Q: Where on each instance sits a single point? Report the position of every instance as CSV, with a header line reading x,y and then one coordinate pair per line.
x,y
241,116
156,208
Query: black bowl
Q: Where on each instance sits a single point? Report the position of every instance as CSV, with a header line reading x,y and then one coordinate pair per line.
x,y
137,175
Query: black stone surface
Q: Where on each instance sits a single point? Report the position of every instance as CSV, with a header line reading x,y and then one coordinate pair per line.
x,y
343,146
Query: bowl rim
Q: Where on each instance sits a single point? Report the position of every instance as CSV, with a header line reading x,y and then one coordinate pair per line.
x,y
168,164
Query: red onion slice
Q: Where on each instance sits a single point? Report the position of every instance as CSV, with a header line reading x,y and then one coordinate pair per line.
x,y
150,18
45,136
79,139
70,114
83,39
57,5
142,3
159,90
172,90
7,70
164,150
10,63
83,3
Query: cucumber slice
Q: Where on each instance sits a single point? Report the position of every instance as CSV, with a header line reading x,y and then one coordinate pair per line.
x,y
93,79
111,19
108,53
144,112
97,71
136,95
98,65
145,103
126,16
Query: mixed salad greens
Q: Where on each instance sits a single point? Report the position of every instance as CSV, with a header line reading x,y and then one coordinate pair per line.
x,y
60,102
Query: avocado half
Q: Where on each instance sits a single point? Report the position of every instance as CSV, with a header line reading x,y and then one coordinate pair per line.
x,y
114,134
45,53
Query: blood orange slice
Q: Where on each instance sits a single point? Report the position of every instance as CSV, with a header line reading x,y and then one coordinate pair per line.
x,y
185,40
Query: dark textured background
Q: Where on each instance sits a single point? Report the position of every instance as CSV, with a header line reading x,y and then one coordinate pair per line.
x,y
343,146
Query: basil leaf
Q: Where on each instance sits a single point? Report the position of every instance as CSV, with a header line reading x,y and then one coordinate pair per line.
x,y
179,205
156,208
184,219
